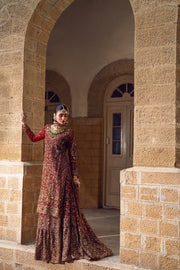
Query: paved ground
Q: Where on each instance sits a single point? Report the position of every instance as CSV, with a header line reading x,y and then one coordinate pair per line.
x,y
105,223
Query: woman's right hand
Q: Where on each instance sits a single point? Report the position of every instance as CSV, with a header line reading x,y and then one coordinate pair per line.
x,y
23,119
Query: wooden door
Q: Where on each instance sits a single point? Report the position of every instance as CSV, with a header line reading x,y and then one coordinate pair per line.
x,y
119,149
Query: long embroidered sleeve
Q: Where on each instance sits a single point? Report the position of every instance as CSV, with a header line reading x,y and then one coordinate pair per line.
x,y
35,138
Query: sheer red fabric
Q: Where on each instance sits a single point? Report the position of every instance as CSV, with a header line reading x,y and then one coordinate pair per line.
x,y
63,233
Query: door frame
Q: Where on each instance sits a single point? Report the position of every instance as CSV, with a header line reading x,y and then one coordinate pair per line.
x,y
110,102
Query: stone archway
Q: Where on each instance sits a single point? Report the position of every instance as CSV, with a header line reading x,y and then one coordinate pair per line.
x,y
38,31
100,82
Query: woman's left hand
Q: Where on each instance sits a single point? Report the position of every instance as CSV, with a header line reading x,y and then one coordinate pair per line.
x,y
76,181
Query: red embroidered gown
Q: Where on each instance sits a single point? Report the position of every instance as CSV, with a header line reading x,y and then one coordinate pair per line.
x,y
63,233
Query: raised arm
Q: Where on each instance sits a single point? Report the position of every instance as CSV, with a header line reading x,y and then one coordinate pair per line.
x,y
35,137
31,135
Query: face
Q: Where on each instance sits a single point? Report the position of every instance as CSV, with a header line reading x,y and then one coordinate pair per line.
x,y
61,117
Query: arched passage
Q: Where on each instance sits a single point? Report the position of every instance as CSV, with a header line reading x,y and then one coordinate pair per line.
x,y
102,79
25,30
38,31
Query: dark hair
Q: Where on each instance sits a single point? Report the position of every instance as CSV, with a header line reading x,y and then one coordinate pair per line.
x,y
61,107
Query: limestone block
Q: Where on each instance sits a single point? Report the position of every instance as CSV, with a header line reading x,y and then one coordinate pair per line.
x,y
14,120
134,209
155,136
149,260
33,169
168,263
3,181
169,195
44,23
5,28
15,220
161,178
149,194
158,36
28,196
11,43
122,207
22,257
153,244
14,134
153,211
178,135
6,254
178,115
128,256
14,105
157,94
37,34
172,247
165,74
172,212
11,58
167,2
48,11
132,241
35,60
129,177
31,44
142,5
19,26
154,157
148,57
4,136
11,234
152,115
28,221
148,226
12,208
2,207
41,49
5,194
169,229
16,195
128,224
157,17
26,152
3,221
38,114
129,192
2,233
9,266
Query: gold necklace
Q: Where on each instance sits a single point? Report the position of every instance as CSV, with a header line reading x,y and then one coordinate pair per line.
x,y
57,129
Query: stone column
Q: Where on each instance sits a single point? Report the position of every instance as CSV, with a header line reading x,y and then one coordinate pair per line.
x,y
155,84
25,27
150,190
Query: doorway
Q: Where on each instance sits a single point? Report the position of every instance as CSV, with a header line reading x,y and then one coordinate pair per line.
x,y
119,119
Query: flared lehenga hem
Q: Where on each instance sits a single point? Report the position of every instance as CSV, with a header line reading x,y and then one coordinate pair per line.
x,y
57,244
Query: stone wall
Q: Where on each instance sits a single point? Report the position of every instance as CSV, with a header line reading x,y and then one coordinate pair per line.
x,y
150,217
89,140
178,95
19,191
155,83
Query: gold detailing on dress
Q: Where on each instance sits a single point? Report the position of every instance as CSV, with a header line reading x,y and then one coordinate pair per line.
x,y
56,129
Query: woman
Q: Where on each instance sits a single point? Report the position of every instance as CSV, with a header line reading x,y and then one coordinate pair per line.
x,y
63,233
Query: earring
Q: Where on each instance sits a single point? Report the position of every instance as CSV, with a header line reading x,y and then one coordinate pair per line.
x,y
54,119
